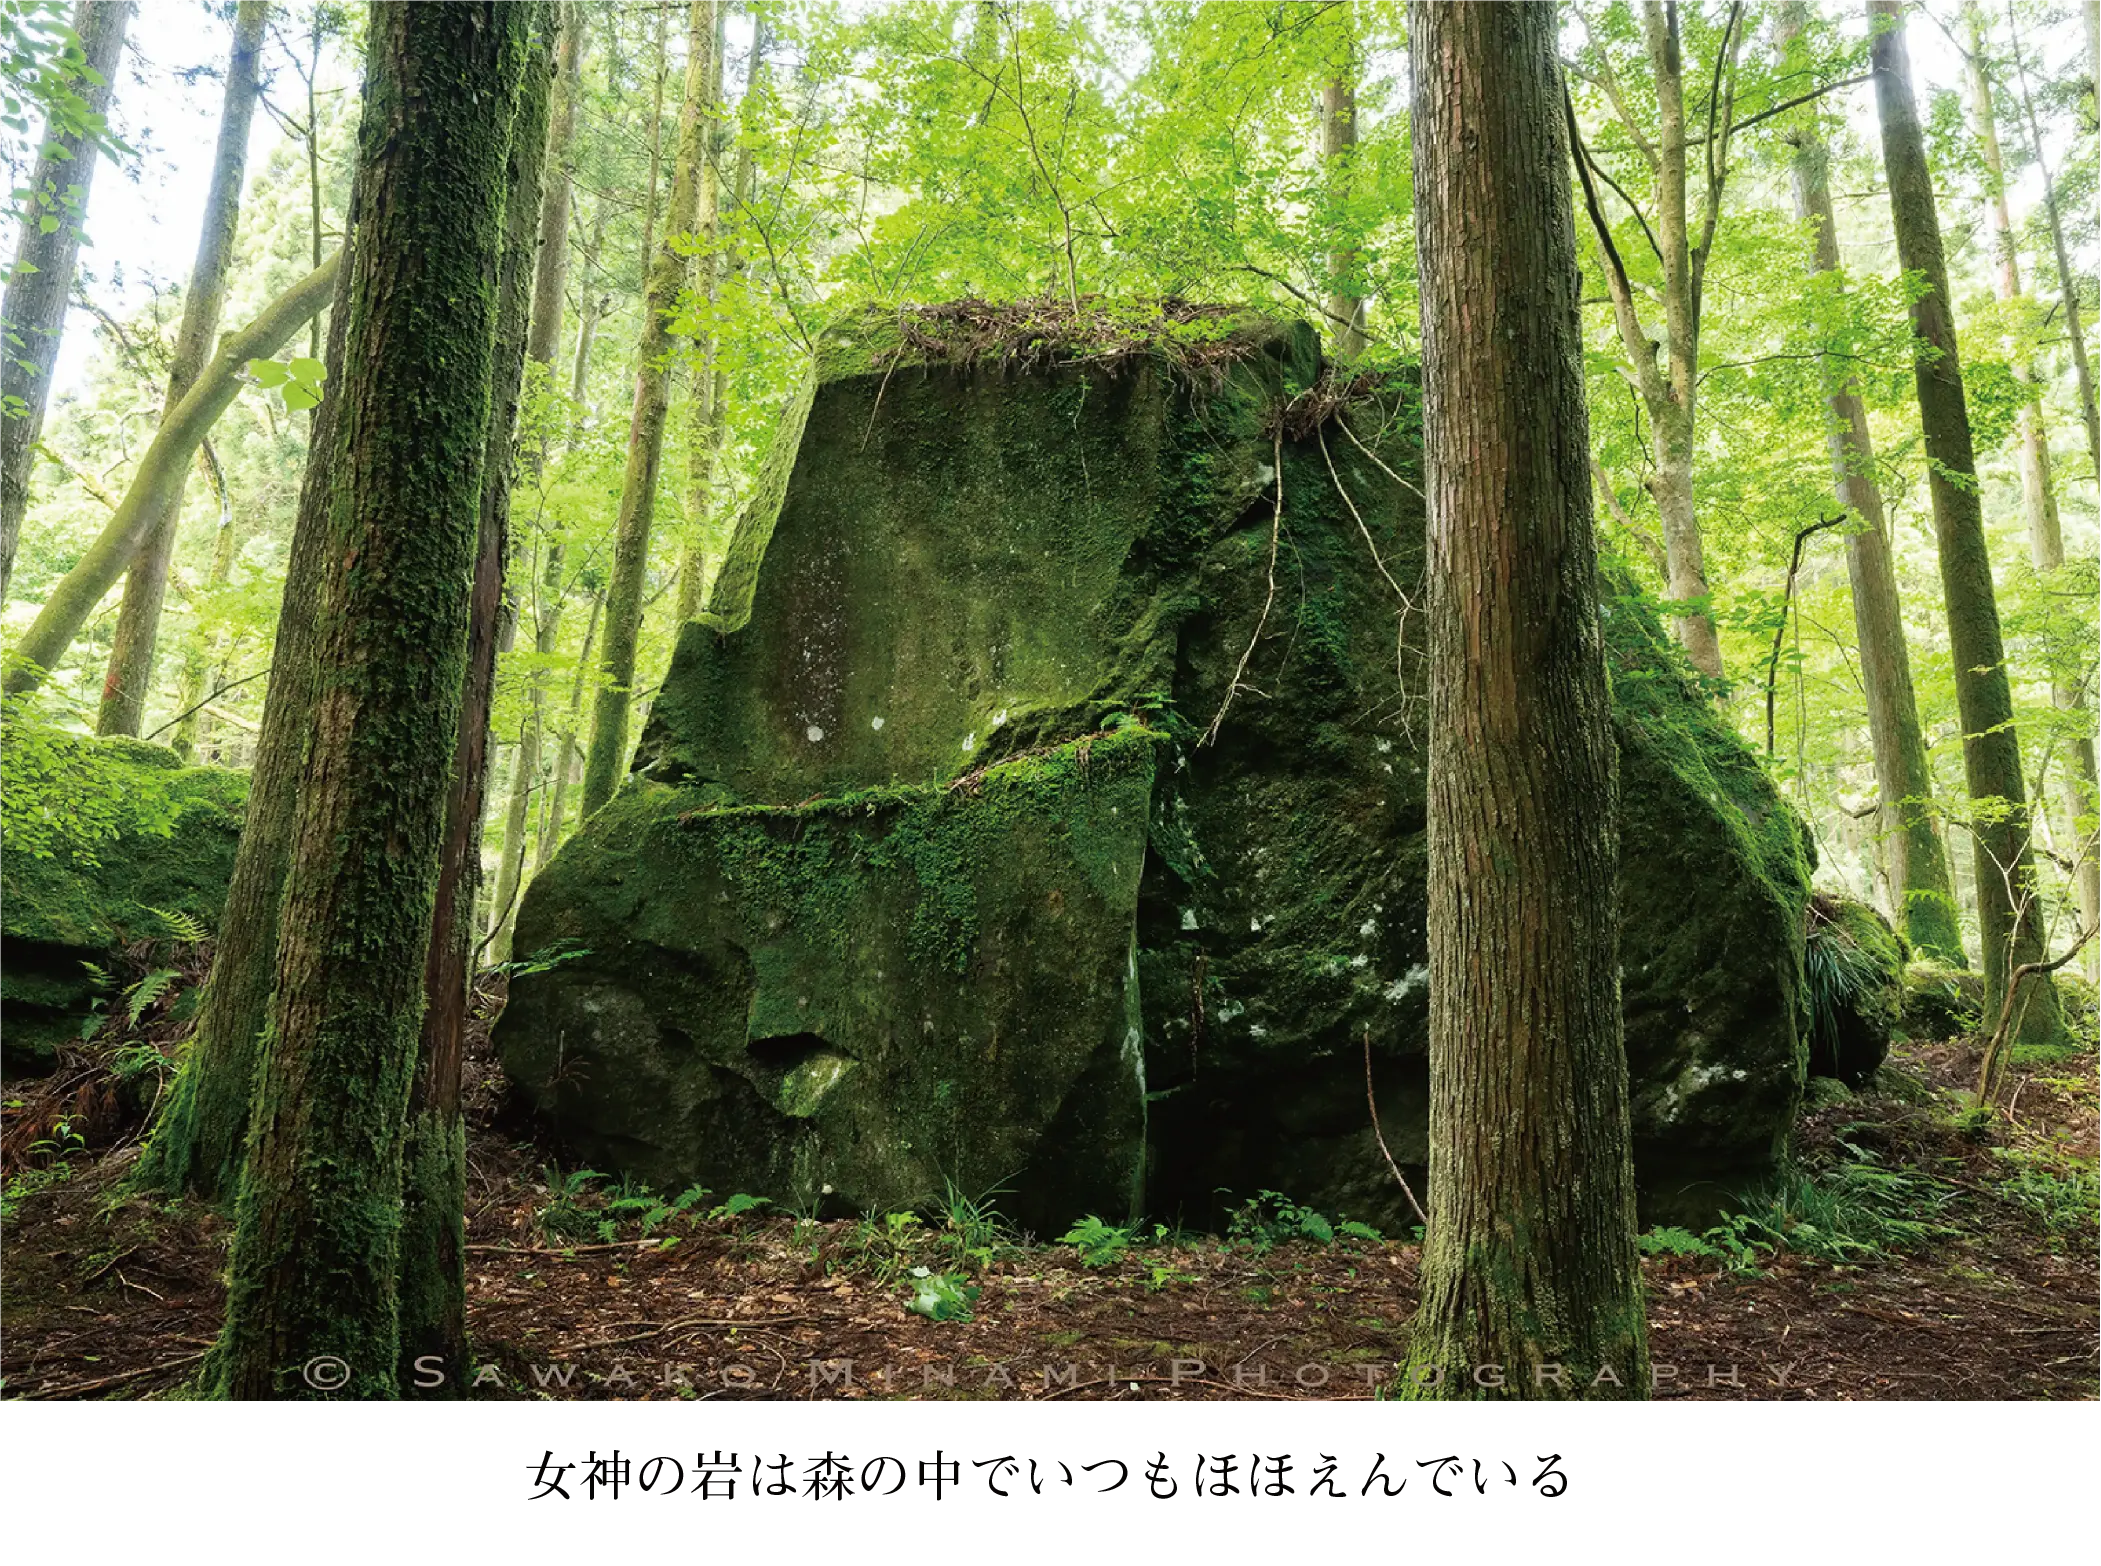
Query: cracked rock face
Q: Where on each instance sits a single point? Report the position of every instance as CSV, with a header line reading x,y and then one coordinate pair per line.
x,y
947,858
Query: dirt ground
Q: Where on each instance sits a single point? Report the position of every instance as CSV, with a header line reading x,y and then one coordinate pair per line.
x,y
105,1294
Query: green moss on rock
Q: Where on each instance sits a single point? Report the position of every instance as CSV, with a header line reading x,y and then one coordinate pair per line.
x,y
969,563
117,835
850,1003
1854,982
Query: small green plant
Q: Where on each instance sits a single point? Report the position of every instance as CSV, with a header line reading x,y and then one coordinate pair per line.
x,y
1666,1240
1099,1244
1270,1218
2063,1200
563,1216
974,1232
637,1204
1850,1212
541,961
139,999
941,1296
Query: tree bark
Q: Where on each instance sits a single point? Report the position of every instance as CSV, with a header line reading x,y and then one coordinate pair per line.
x,y
543,337
2010,926
2077,785
315,1265
164,465
33,312
704,413
565,747
434,1157
1529,1267
199,1136
1921,888
130,677
1338,124
194,727
1669,393
645,445
2037,493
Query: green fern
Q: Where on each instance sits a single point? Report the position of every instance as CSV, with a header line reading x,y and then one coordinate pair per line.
x,y
180,926
140,997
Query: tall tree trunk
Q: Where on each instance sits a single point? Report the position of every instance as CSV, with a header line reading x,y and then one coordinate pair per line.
x,y
2077,784
164,465
565,747
33,312
198,1139
1669,392
703,411
2037,493
434,1154
1338,124
1530,1260
197,666
1921,889
645,445
2010,924
130,677
2067,278
315,1264
2092,106
542,339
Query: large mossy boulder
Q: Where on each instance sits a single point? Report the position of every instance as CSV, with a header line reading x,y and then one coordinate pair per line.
x,y
1039,805
109,842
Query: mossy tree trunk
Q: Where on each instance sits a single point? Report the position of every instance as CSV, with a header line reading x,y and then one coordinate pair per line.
x,y
33,312
164,466
645,443
202,1129
130,677
434,1156
1922,892
315,1264
1338,123
2009,918
1531,1285
543,336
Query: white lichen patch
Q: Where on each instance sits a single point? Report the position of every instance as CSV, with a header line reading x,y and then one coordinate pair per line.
x,y
1416,978
1368,929
1189,918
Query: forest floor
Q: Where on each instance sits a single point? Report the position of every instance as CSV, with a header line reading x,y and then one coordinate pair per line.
x,y
1917,1250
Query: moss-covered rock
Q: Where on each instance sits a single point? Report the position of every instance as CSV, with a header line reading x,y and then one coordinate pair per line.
x,y
1853,973
851,1003
1940,1002
971,563
107,839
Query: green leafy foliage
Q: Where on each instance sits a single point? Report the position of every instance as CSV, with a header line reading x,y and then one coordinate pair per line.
x,y
1100,1244
941,1296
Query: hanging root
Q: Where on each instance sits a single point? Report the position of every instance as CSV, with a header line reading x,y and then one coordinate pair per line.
x,y
1400,635
1276,526
1372,1103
